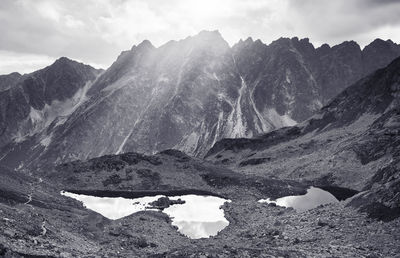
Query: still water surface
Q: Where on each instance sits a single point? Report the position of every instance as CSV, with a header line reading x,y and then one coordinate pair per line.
x,y
198,217
313,198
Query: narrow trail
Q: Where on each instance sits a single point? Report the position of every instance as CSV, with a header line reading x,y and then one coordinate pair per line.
x,y
44,230
33,185
29,198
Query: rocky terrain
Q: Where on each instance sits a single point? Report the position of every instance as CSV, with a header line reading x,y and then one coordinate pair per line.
x,y
36,221
185,95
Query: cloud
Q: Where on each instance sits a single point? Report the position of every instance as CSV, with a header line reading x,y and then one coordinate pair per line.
x,y
96,31
22,62
336,21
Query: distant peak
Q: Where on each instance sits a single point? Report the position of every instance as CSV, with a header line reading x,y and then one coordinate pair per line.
x,y
258,41
209,39
15,74
325,45
378,40
145,44
63,59
249,40
380,43
64,62
347,45
324,48
305,40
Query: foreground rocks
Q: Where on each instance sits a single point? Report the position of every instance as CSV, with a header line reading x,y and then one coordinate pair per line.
x,y
36,220
255,230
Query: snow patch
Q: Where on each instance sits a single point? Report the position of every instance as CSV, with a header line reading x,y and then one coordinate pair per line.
x,y
46,140
235,117
163,78
35,115
288,76
217,130
124,142
279,121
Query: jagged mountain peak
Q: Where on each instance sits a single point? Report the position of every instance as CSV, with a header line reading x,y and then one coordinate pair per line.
x,y
208,39
324,48
145,45
63,60
288,43
378,42
249,40
63,64
13,74
350,44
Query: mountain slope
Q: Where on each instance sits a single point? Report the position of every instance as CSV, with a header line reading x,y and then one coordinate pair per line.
x,y
352,142
31,102
188,94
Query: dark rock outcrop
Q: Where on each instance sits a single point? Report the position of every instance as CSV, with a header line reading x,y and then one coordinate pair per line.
x,y
164,202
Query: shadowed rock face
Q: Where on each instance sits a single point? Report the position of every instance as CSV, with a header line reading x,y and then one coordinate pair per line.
x,y
188,94
351,142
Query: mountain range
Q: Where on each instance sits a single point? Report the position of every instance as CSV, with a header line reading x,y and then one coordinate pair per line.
x,y
185,94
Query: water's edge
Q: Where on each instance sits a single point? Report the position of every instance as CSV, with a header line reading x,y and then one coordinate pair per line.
x,y
143,193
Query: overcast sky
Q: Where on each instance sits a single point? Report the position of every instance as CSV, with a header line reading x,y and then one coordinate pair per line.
x,y
33,33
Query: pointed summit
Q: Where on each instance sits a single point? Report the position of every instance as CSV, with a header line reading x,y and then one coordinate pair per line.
x,y
249,40
209,39
63,60
145,44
